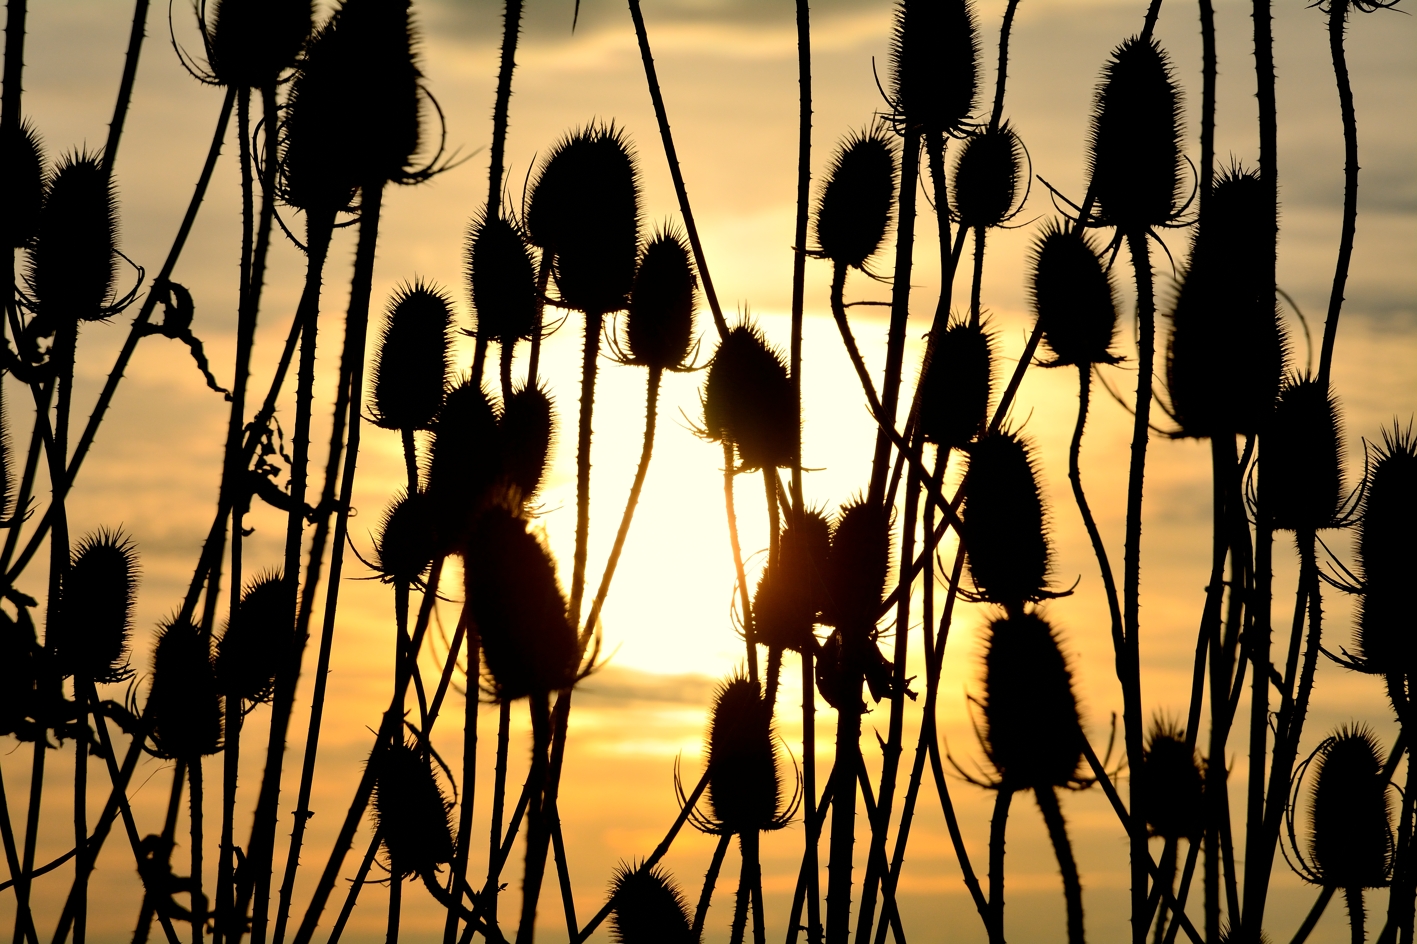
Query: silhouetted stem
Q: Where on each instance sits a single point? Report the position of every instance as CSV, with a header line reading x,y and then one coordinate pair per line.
x,y
543,275
1209,630
537,834
12,858
753,869
1337,20
15,15
849,341
194,795
589,364
740,899
1072,888
685,210
998,827
1178,903
799,229
563,875
479,360
1167,879
22,885
511,29
395,903
1315,913
1208,69
975,283
843,808
469,781
165,846
646,449
349,900
710,880
499,793
809,789
1357,915
81,824
749,636
125,85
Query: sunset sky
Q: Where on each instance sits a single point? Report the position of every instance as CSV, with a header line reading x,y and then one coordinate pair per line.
x,y
729,75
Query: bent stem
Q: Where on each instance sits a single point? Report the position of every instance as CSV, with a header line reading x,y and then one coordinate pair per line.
x,y
1058,832
998,827
749,636
710,880
1337,20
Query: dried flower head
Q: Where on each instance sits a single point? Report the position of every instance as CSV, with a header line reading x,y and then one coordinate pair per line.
x,y
1032,733
987,176
412,361
744,790
73,265
648,907
18,648
1301,460
1175,782
22,179
1005,521
659,323
857,567
528,433
748,400
1350,842
250,649
408,538
466,459
958,382
856,202
934,65
96,609
1387,554
183,701
1073,297
502,280
251,42
793,588
412,813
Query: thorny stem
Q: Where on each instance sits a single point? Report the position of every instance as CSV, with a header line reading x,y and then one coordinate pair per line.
x,y
710,880
1357,915
809,789
347,908
15,14
799,229
543,275
974,285
1178,903
1131,576
1058,832
195,799
1208,69
537,833
499,793
23,880
997,115
12,856
686,211
774,666
511,29
589,364
81,825
740,898
469,781
1217,791
998,826
563,874
125,85
843,804
1315,913
651,413
749,636
1337,20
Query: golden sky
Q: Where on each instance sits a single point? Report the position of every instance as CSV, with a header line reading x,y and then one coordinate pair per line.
x,y
728,69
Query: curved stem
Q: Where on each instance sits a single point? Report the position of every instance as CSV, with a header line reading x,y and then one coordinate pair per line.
x,y
1315,913
646,449
511,29
975,284
125,85
1337,21
499,794
998,827
710,880
849,340
749,636
1072,888
1099,549
354,887
589,364
997,115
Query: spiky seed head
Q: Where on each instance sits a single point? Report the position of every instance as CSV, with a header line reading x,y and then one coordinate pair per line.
x,y
986,177
408,538
1226,353
1387,555
18,649
528,642
793,589
958,382
1135,147
1005,521
743,787
354,106
412,363
412,813
1073,297
857,566
748,400
585,208
501,279
466,460
855,205
1350,841
528,433
96,608
73,264
251,42
934,65
1301,458
250,649
183,701
659,324
648,907
1031,729
22,180
1175,783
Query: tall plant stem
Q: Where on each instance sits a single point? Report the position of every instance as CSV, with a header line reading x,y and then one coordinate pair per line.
x,y
589,364
354,886
1058,832
749,636
12,859
537,832
753,870
740,898
813,829
1311,921
998,829
125,85
395,903
543,276
1208,70
900,312
646,450
710,880
499,793
23,880
976,282
1357,915
685,210
195,801
81,820
1337,21
348,401
1178,905
774,666
511,29
466,804
261,847
135,333
843,804
16,12
166,841
799,231
1131,577
1217,792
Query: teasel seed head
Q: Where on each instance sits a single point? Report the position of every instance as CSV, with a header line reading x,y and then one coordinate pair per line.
x,y
466,460
748,400
659,323
958,382
516,602
18,649
73,264
96,609
412,813
354,106
856,203
1175,782
502,280
1301,458
183,700
408,538
985,184
934,65
1226,353
1387,555
1005,521
412,363
1135,148
744,791
585,209
250,649
251,42
649,907
793,589
1073,297
1350,840
528,432
22,176
857,567
1031,731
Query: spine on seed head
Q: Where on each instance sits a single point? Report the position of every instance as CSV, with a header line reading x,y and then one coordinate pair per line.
x,y
793,589
21,184
857,201
96,609
987,176
412,363
934,65
1387,557
1073,297
1005,521
957,386
648,907
748,400
501,280
251,42
1301,458
1350,841
412,813
1175,782
183,700
744,790
249,651
73,263
1032,732
659,322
